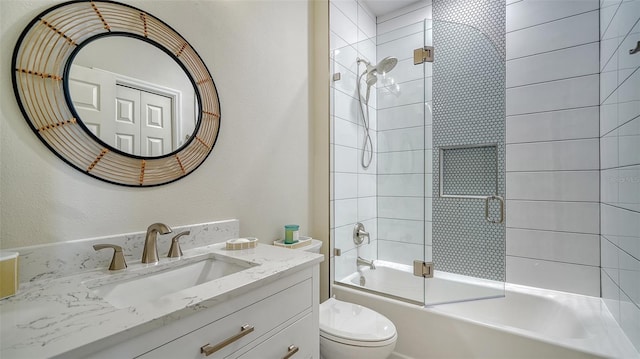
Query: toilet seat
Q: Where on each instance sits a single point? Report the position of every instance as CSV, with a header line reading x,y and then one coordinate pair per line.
x,y
358,343
353,324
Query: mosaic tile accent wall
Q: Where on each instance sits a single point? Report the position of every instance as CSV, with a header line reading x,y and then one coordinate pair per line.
x,y
469,171
469,109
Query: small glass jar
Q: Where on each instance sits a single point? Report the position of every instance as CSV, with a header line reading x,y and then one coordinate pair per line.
x,y
291,233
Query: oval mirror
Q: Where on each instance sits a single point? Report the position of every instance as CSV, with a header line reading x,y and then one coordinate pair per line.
x,y
83,73
132,96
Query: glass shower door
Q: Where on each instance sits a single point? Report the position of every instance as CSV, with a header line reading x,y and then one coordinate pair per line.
x,y
386,195
403,162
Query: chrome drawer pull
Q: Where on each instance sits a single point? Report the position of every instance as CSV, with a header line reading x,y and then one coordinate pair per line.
x,y
291,350
210,349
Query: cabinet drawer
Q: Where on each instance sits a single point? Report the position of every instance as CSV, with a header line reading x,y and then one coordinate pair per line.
x,y
298,335
263,316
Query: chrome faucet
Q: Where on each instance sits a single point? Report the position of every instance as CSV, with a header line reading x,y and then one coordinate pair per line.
x,y
150,252
359,233
358,238
117,261
363,262
175,251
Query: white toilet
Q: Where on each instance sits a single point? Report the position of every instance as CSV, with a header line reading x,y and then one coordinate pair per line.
x,y
351,331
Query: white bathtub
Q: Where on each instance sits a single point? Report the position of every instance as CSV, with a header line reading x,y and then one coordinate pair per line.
x,y
525,322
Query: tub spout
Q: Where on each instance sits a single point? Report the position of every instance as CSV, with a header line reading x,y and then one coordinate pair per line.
x,y
363,262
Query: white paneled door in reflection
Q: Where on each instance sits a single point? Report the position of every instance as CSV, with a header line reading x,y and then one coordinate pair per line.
x,y
130,119
143,122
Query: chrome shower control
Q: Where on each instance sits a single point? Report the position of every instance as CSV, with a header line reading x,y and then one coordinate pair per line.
x,y
359,233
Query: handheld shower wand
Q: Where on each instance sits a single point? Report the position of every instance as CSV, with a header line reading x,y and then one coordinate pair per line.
x,y
385,65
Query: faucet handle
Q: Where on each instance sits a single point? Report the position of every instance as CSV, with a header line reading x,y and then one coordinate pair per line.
x,y
175,251
117,261
359,233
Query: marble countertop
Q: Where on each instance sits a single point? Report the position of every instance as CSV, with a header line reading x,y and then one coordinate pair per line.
x,y
49,317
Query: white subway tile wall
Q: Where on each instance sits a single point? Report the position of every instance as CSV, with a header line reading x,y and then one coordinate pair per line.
x,y
553,125
531,13
620,163
352,36
552,145
576,186
564,155
575,278
576,29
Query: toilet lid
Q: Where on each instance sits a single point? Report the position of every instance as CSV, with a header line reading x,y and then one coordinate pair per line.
x,y
352,322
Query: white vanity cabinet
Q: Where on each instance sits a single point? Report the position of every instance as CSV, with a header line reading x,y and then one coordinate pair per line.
x,y
277,320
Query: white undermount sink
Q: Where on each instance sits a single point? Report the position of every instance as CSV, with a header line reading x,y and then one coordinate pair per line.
x,y
142,288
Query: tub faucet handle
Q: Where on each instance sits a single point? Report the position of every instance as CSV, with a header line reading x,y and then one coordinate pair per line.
x,y
175,251
117,261
359,233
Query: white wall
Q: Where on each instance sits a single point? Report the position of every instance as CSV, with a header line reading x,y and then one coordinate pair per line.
x,y
259,170
620,163
552,145
352,36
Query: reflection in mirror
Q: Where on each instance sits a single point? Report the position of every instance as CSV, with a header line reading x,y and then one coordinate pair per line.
x,y
133,96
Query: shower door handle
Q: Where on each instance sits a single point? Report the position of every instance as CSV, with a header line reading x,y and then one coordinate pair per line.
x,y
486,209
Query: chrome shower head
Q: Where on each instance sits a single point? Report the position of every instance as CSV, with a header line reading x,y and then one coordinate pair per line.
x,y
371,79
385,65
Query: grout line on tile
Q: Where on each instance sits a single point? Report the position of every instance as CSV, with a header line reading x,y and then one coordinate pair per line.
x,y
551,230
619,85
403,14
602,66
630,297
554,80
618,207
345,15
550,200
622,249
550,141
618,167
554,261
548,51
610,21
554,110
618,127
554,20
